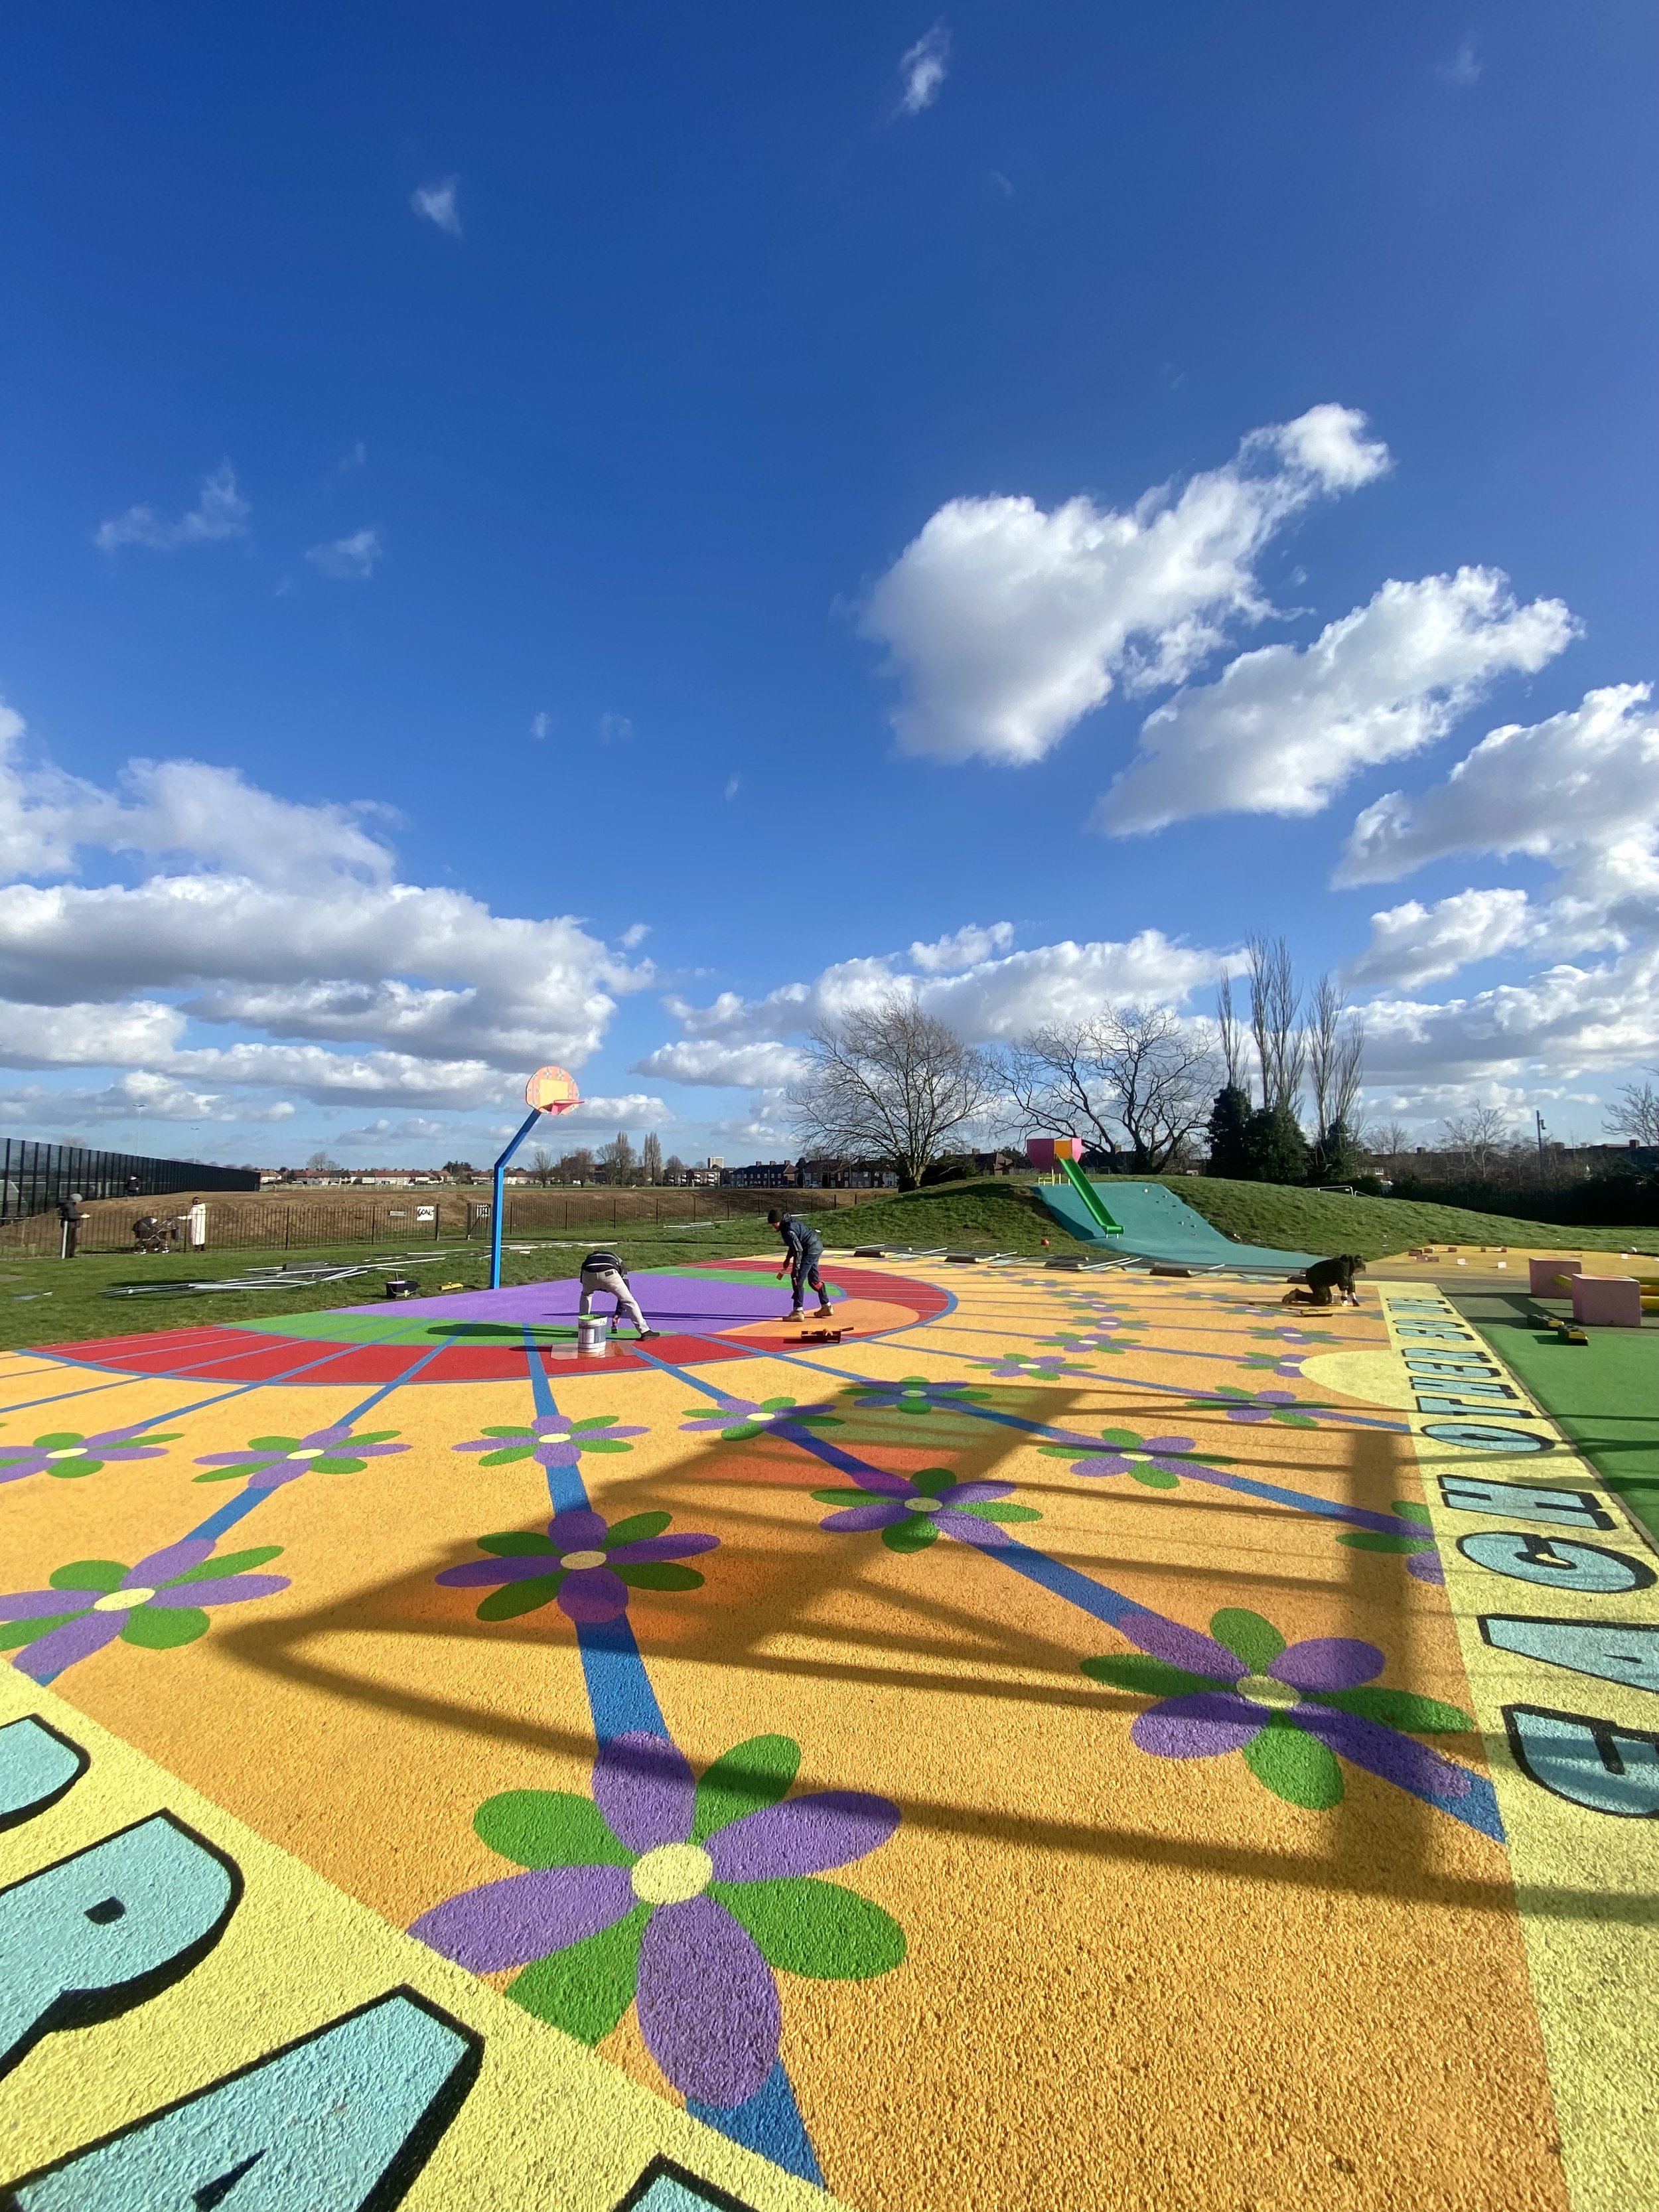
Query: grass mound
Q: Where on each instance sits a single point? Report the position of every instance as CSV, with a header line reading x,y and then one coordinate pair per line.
x,y
1009,1217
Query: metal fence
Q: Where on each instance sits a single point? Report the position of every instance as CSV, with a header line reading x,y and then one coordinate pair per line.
x,y
35,1178
400,1219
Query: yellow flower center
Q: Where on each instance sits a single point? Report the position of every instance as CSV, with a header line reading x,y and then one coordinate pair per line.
x,y
760,1417
309,1451
923,1505
122,1600
74,1451
1267,1690
574,1559
673,1874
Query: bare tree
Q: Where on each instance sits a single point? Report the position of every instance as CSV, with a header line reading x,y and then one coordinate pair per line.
x,y
1481,1134
1386,1140
651,1158
543,1165
1275,1002
578,1166
1635,1113
617,1160
1336,1057
1234,1049
1133,1083
889,1083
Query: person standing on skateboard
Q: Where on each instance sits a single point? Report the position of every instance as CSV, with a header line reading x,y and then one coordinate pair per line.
x,y
803,1249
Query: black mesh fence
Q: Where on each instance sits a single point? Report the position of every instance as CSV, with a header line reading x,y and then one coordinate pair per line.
x,y
35,1178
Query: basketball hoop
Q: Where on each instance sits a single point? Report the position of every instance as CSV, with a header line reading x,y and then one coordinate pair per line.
x,y
552,1090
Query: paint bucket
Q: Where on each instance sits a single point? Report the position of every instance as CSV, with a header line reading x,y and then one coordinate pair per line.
x,y
591,1334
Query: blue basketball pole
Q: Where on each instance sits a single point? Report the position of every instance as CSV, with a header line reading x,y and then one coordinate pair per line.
x,y
529,1123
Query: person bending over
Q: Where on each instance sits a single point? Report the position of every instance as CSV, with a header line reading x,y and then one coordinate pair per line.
x,y
803,1249
1326,1277
604,1271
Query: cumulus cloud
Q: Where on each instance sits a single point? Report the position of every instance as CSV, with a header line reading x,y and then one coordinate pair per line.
x,y
1414,944
220,511
1008,623
967,979
1580,789
348,559
141,1096
435,204
922,68
1558,1024
1286,726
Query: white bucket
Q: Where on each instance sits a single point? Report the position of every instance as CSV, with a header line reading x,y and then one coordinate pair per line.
x,y
593,1334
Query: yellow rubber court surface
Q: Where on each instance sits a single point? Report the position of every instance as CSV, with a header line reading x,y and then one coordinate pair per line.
x,y
1081,1740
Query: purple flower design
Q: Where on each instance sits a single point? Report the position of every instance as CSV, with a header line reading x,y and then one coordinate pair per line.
x,y
1422,1558
1281,1405
910,1514
1157,1462
551,1440
67,1453
269,1462
1040,1367
584,1565
1288,1708
157,1605
738,1418
1298,1335
1287,1364
682,1897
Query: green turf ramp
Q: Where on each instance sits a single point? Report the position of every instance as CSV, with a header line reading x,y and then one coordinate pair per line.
x,y
1150,1223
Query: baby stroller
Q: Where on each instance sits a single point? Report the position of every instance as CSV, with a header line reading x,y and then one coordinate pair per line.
x,y
148,1234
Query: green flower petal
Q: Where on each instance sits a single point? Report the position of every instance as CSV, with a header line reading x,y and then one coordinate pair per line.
x,y
1295,1766
586,1988
86,1575
517,1543
740,1431
506,1455
1399,1709
1293,1420
1407,1511
1247,1636
601,1445
999,1512
1146,1677
163,1628
272,1443
548,1828
750,1774
913,1534
934,1481
1369,1539
58,1439
230,1473
806,1926
596,1421
329,1464
659,1574
510,1429
13,1634
1155,1477
1120,1436
515,1598
844,1497
232,1563
71,1470
636,1528
817,1420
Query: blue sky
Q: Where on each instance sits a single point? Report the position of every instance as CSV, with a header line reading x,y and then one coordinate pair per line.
x,y
602,533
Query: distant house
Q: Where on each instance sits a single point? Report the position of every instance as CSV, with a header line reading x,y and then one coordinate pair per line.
x,y
844,1175
761,1175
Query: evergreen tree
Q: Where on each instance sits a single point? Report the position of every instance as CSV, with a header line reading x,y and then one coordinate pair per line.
x,y
1229,1152
651,1159
1276,1147
1337,1157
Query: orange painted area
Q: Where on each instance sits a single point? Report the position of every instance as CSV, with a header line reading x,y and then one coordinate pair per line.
x,y
1129,1979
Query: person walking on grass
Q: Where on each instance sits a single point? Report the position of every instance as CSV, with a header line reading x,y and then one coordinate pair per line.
x,y
604,1271
72,1220
803,1249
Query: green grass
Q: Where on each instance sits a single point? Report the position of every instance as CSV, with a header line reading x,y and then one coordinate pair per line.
x,y
1604,1393
74,1306
1008,1216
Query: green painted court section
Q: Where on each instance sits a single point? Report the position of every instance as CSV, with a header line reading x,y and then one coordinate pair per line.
x,y
1605,1393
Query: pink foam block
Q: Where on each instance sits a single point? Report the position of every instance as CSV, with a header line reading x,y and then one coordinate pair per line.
x,y
1541,1274
1607,1301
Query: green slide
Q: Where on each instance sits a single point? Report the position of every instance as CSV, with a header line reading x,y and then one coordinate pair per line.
x,y
1147,1221
1089,1193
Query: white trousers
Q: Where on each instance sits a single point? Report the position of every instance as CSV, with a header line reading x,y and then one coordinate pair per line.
x,y
607,1279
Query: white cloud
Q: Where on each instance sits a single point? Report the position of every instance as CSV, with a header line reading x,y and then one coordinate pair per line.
x,y
733,786
409,1129
220,511
437,203
921,69
967,979
1412,944
1580,789
348,559
1285,727
963,948
614,728
1464,67
141,1096
1008,624
539,726
1555,1026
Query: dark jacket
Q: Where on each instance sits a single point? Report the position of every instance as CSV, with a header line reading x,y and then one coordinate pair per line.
x,y
598,1262
803,1241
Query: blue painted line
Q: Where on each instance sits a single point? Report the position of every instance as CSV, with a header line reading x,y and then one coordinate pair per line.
x,y
770,2123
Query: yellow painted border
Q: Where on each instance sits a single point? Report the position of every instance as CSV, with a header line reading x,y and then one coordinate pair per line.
x,y
1587,1884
